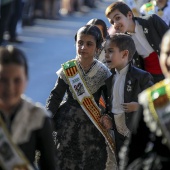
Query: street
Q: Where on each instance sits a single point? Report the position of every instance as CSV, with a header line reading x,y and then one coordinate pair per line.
x,y
50,43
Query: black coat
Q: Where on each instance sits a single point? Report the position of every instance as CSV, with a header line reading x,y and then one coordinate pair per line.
x,y
153,28
140,80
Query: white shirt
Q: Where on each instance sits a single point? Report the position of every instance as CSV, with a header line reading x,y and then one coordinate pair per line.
x,y
118,90
142,46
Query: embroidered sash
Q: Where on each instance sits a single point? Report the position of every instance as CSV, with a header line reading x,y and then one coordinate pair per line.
x,y
85,99
11,156
158,117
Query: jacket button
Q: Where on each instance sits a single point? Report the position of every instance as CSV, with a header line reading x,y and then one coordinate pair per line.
x,y
152,45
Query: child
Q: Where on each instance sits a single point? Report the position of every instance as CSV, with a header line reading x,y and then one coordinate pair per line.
x,y
103,28
26,124
123,87
152,120
146,32
81,145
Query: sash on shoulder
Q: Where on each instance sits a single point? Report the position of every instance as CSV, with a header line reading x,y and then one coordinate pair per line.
x,y
159,105
85,99
11,157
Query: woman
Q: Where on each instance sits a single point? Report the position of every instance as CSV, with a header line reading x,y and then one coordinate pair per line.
x,y
80,139
27,124
103,28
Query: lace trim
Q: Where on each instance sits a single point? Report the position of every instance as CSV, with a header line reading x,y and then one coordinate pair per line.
x,y
94,78
29,118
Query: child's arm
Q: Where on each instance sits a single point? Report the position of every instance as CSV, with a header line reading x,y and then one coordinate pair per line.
x,y
130,107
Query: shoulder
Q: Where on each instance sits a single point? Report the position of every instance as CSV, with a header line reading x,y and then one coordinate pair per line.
x,y
35,108
139,71
102,67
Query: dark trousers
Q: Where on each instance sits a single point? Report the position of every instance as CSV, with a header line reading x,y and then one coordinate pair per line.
x,y
15,17
4,17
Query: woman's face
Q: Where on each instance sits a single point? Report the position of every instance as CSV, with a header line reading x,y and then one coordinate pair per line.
x,y
86,46
12,84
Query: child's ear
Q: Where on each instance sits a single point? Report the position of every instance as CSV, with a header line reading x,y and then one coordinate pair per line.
x,y
125,54
130,14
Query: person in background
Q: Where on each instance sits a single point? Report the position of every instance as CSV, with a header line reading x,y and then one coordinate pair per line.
x,y
159,7
123,86
149,144
15,17
81,139
5,12
29,125
146,32
103,28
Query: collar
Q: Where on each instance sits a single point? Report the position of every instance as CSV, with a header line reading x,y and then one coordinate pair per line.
x,y
123,71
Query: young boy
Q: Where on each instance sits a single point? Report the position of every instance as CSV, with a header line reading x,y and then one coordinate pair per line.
x,y
146,32
152,121
123,87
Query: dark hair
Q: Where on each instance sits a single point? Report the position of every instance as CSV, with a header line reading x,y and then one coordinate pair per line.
x,y
91,30
96,21
10,55
123,42
120,6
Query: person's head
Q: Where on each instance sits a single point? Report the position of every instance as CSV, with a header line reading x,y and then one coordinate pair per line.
x,y
120,16
165,54
13,76
88,40
119,50
101,25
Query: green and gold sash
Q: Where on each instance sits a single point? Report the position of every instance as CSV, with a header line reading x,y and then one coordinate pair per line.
x,y
11,157
85,99
157,108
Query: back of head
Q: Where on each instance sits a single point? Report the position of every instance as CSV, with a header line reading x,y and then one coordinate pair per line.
x,y
165,54
118,5
100,22
91,30
13,55
123,42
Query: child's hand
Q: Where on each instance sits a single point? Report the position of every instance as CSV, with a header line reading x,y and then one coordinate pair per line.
x,y
106,121
130,107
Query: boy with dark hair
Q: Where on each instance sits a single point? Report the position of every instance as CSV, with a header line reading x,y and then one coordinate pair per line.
x,y
152,120
123,87
146,32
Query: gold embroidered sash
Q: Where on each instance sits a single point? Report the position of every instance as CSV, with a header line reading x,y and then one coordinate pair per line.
x,y
85,99
11,157
158,103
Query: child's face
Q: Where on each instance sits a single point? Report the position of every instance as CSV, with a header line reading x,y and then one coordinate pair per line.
x,y
114,57
86,46
12,84
119,21
165,56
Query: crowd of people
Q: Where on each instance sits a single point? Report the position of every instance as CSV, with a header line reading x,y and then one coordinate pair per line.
x,y
128,66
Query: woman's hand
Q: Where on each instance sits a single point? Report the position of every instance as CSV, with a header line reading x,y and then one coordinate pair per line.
x,y
106,121
130,107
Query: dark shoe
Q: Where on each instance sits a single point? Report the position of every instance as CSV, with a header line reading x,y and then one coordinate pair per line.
x,y
15,40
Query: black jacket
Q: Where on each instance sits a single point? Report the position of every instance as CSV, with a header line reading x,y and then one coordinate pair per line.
x,y
154,28
140,80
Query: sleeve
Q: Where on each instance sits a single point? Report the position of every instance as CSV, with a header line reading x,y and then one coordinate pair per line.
x,y
147,81
159,24
45,145
134,146
56,96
